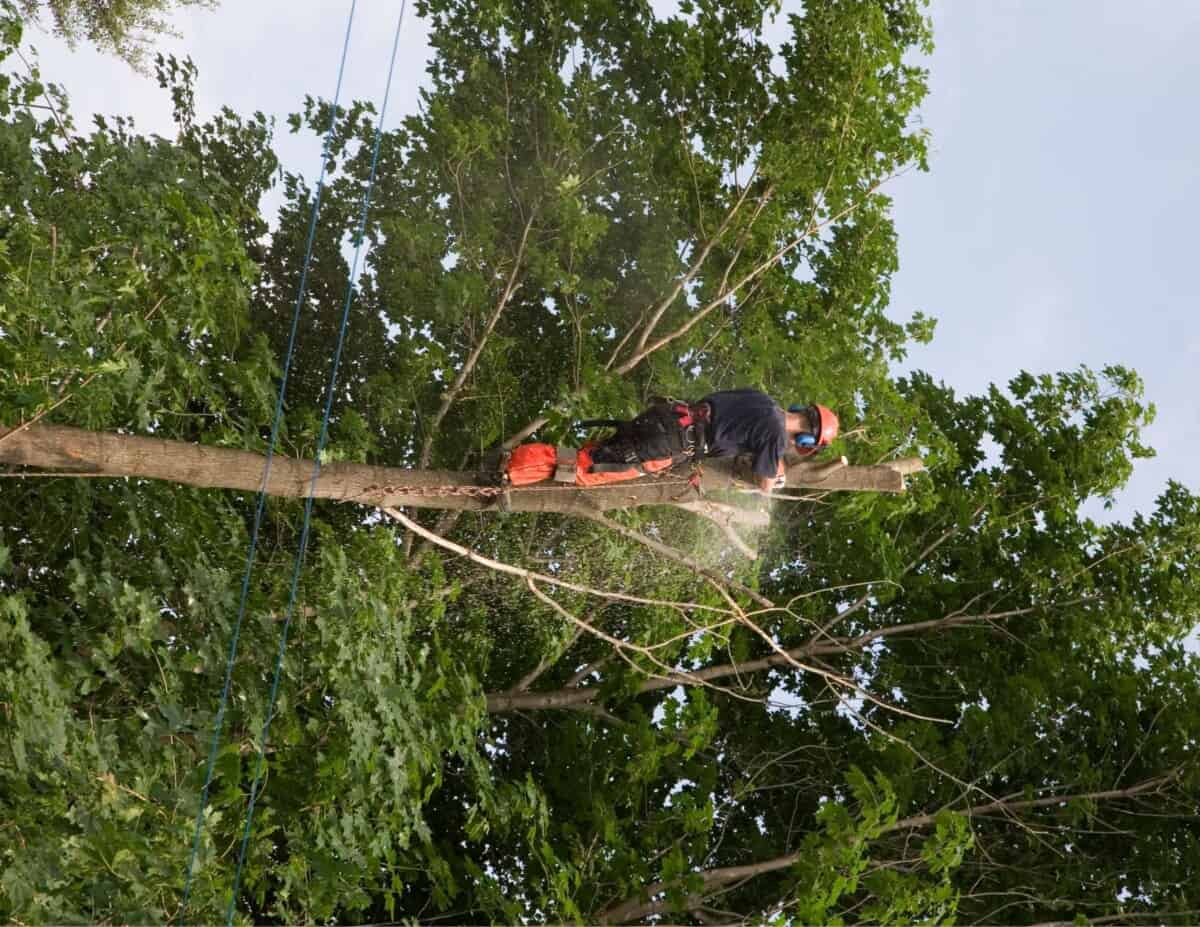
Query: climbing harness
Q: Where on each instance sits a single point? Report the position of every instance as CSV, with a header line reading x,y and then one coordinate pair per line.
x,y
668,429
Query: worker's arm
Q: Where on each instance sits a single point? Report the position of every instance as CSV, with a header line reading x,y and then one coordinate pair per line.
x,y
767,483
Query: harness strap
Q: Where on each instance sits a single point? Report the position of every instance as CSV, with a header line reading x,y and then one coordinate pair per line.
x,y
616,467
600,423
694,422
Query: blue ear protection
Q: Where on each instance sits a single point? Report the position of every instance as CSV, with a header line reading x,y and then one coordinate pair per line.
x,y
805,440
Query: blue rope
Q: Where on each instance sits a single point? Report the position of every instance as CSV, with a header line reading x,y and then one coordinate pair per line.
x,y
262,494
308,503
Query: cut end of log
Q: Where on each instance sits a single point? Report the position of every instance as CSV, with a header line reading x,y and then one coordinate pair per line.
x,y
906,466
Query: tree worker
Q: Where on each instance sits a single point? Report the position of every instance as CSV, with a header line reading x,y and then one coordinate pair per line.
x,y
747,421
738,421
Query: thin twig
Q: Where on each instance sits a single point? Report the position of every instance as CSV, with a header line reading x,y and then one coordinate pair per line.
x,y
452,393
508,568
46,96
677,556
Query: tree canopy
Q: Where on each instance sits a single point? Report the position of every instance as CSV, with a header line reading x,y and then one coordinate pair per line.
x,y
969,703
126,28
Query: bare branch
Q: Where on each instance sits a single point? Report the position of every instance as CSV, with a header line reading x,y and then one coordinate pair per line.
x,y
452,393
45,96
945,536
713,879
511,570
546,662
748,278
845,644
830,676
741,242
1141,745
581,674
666,303
942,539
572,697
679,557
1120,918
1149,785
517,437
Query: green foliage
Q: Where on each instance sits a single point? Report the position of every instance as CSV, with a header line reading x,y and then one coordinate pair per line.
x,y
124,276
587,152
835,863
126,28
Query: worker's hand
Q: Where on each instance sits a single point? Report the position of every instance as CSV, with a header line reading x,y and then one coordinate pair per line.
x,y
767,483
781,481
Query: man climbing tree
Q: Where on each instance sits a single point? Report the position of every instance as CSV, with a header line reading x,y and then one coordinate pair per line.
x,y
722,424
970,702
746,421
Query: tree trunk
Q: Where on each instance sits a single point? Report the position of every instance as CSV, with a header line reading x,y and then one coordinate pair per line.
x,y
75,450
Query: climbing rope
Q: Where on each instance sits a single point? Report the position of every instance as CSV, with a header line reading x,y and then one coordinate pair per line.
x,y
262,493
266,474
308,504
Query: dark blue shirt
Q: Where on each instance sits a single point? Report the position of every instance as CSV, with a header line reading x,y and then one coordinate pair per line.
x,y
746,421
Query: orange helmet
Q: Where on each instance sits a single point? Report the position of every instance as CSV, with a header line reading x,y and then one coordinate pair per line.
x,y
825,430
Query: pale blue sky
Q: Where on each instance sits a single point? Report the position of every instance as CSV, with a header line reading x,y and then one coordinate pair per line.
x,y
1056,227
1057,224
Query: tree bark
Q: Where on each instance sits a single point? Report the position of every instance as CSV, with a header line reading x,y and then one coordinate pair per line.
x,y
89,453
